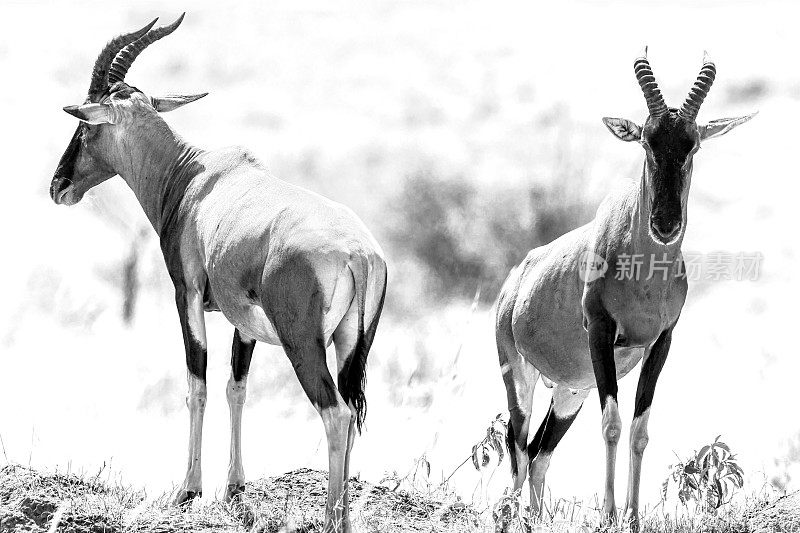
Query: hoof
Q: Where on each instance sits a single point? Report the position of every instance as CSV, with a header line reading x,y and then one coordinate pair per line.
x,y
631,521
608,521
233,492
337,527
185,497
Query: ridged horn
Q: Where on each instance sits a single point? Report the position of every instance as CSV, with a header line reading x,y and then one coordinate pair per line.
x,y
99,81
700,89
125,57
647,81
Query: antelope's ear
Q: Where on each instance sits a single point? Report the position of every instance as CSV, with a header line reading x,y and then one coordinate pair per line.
x,y
721,126
162,104
92,113
623,129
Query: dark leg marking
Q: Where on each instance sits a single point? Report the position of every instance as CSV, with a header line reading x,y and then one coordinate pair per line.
x,y
196,354
241,354
550,432
293,301
510,442
602,331
651,369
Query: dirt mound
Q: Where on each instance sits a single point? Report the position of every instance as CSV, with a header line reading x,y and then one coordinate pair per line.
x,y
301,494
781,515
31,501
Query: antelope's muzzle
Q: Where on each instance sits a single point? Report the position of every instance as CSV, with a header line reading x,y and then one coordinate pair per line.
x,y
665,230
62,187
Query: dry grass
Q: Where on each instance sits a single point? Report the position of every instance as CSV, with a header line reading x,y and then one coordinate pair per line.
x,y
37,501
751,514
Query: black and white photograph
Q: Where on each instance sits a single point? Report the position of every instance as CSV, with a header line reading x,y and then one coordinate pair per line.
x,y
307,266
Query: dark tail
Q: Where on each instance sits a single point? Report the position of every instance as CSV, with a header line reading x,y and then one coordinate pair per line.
x,y
352,379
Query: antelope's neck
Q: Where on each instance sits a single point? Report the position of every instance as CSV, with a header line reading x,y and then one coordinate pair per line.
x,y
158,165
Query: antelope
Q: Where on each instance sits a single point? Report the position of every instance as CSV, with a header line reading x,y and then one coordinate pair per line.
x,y
557,299
284,265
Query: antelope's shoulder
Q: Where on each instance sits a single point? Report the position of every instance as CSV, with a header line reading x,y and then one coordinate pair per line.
x,y
548,279
558,258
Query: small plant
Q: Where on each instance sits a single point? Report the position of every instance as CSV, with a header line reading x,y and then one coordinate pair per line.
x,y
481,452
508,511
494,439
709,478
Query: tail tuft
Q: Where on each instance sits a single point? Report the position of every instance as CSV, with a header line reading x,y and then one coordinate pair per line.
x,y
353,379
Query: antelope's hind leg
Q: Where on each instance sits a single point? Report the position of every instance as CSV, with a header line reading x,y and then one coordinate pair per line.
x,y
292,299
519,377
353,342
345,340
241,354
564,408
308,360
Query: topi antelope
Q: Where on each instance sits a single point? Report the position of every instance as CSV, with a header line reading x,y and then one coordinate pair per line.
x,y
284,265
549,304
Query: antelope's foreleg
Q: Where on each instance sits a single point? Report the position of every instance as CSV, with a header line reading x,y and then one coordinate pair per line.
x,y
602,331
241,354
651,368
190,311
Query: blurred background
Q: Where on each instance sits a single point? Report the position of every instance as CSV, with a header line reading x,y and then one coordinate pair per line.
x,y
463,134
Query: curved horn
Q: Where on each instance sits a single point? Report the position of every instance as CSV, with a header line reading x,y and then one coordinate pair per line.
x,y
700,89
101,65
125,57
647,81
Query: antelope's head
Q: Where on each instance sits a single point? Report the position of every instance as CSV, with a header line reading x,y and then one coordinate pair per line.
x,y
112,110
670,138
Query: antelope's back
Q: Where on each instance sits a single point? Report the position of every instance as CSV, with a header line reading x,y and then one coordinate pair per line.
x,y
246,223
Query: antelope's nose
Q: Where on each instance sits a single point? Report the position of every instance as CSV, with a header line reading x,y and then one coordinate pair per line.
x,y
665,230
62,191
58,186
